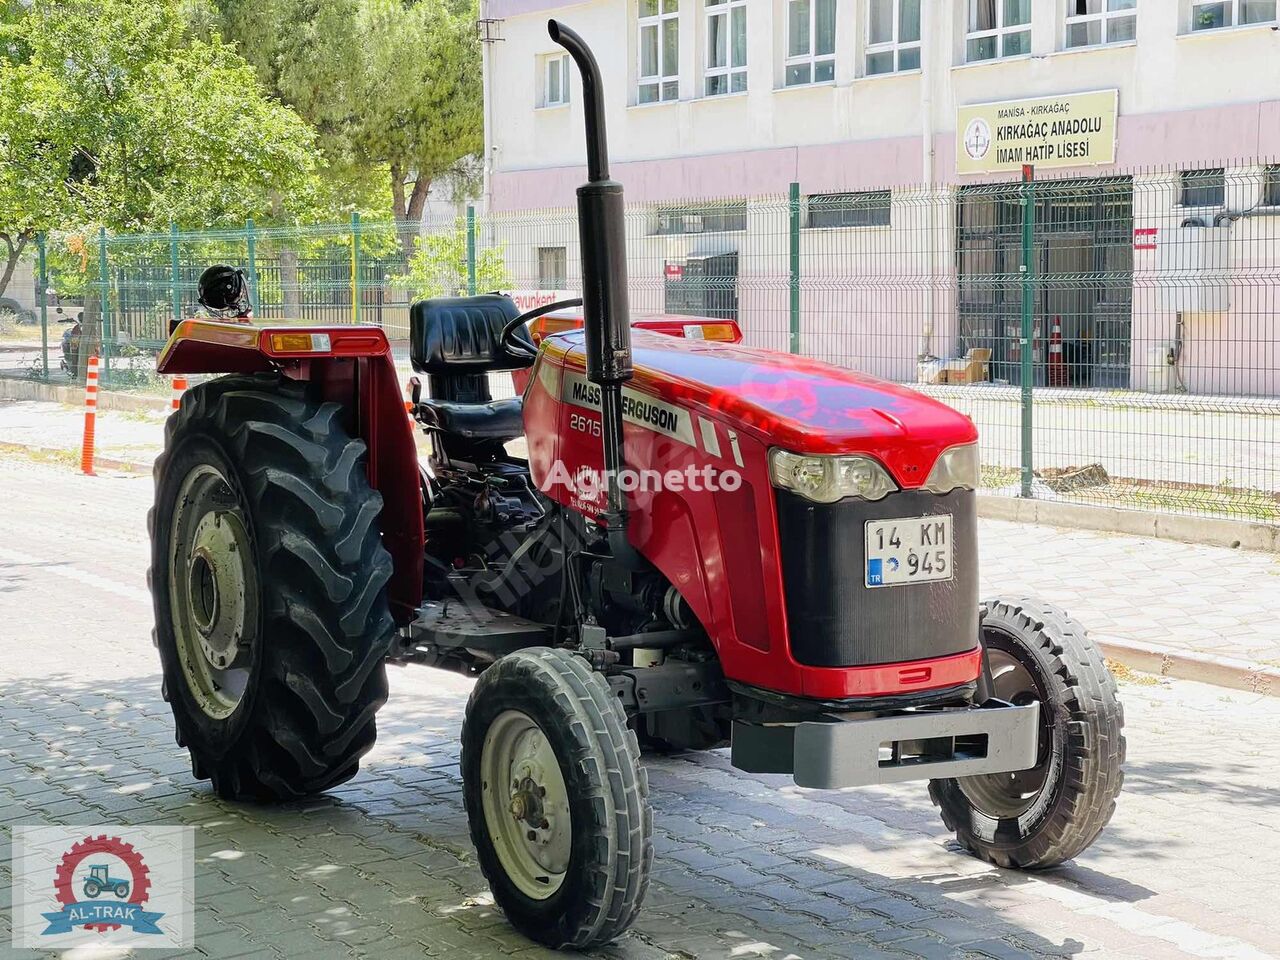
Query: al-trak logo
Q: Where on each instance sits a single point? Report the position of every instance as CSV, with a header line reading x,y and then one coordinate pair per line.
x,y
102,884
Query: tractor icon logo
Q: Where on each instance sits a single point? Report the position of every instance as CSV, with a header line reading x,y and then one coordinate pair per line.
x,y
99,880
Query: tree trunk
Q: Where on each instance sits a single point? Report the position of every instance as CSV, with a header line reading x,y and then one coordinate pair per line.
x,y
408,209
13,254
90,331
290,291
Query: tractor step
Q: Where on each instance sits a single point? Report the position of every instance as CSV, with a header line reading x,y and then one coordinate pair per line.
x,y
455,625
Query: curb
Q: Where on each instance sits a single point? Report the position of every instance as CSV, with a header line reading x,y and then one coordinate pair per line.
x,y
12,388
1205,531
107,463
1202,667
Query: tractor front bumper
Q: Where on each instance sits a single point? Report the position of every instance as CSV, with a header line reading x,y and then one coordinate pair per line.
x,y
836,751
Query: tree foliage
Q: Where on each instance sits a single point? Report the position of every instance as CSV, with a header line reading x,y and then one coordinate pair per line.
x,y
393,87
112,114
438,266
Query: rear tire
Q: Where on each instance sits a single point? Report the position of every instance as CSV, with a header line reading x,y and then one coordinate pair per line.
x,y
547,758
268,577
1042,817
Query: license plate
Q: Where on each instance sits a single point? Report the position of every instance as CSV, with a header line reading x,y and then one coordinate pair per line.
x,y
909,550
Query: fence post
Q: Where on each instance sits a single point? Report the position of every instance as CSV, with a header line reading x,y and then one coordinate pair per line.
x,y
1028,285
793,244
251,245
471,250
104,307
42,280
175,273
355,267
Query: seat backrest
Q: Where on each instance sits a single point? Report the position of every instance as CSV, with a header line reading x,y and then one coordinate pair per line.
x,y
459,335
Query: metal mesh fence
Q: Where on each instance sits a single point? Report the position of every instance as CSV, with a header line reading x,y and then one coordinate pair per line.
x,y
1115,339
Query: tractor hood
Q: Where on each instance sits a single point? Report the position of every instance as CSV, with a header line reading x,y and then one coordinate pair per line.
x,y
796,403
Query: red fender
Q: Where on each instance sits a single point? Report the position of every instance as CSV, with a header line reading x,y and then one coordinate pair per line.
x,y
352,366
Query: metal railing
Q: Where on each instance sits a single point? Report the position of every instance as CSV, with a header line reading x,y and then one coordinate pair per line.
x,y
1116,341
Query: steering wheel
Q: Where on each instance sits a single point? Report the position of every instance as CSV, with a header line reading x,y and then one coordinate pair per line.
x,y
517,348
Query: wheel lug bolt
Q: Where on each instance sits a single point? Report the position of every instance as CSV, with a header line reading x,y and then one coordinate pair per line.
x,y
532,835
545,825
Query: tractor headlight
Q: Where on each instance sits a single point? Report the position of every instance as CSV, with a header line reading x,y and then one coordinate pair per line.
x,y
828,479
955,469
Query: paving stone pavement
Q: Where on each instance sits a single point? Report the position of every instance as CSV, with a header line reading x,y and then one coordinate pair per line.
x,y
747,866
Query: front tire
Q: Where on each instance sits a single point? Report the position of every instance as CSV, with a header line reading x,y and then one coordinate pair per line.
x,y
556,799
1041,817
268,577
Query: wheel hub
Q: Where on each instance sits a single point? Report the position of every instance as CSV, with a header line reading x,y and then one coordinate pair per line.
x,y
526,804
213,590
216,583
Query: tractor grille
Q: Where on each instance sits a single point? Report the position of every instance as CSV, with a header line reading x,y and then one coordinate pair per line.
x,y
834,620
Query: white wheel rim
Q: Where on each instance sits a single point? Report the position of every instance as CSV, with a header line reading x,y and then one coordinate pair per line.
x,y
526,804
213,591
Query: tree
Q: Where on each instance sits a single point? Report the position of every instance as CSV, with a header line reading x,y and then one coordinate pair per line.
x,y
438,266
393,87
111,115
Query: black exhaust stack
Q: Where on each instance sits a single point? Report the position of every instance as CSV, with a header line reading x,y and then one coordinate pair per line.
x,y
606,316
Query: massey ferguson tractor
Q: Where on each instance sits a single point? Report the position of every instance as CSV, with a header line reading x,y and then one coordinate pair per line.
x,y
707,544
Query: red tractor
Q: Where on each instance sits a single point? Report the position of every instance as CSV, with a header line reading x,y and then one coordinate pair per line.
x,y
707,544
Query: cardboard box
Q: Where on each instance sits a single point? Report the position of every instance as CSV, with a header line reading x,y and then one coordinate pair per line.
x,y
971,368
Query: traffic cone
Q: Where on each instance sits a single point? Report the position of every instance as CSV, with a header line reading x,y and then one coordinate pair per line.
x,y
179,387
90,416
1057,364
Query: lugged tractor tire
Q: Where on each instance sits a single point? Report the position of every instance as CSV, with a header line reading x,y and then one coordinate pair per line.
x,y
1082,746
557,702
273,625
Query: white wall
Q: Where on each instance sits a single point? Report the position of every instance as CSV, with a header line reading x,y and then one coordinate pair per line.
x,y
1167,70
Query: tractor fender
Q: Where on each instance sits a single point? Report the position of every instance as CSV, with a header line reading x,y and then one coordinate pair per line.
x,y
352,366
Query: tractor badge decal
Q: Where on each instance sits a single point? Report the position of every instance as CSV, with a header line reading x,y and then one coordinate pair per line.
x,y
102,884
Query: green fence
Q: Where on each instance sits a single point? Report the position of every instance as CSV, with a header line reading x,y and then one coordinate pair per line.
x,y
1115,339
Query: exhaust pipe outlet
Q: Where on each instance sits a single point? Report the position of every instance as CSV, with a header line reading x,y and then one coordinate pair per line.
x,y
606,313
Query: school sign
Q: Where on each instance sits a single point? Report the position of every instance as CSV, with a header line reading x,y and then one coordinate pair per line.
x,y
1073,130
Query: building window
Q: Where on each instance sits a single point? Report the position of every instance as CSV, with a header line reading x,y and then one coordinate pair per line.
x,y
726,47
1231,13
555,80
1094,22
703,218
659,71
1271,186
1204,188
811,42
998,28
893,36
868,209
553,268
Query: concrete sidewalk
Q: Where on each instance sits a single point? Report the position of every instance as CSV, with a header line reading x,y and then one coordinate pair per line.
x,y
1187,610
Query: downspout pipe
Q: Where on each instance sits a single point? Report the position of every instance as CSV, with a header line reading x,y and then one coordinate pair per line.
x,y
606,313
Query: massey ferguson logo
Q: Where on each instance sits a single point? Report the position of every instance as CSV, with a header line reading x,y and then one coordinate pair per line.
x,y
638,408
665,419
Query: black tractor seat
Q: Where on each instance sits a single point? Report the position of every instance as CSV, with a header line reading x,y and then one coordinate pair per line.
x,y
494,420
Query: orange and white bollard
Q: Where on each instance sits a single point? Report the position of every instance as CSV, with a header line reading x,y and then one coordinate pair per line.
x,y
90,416
179,387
